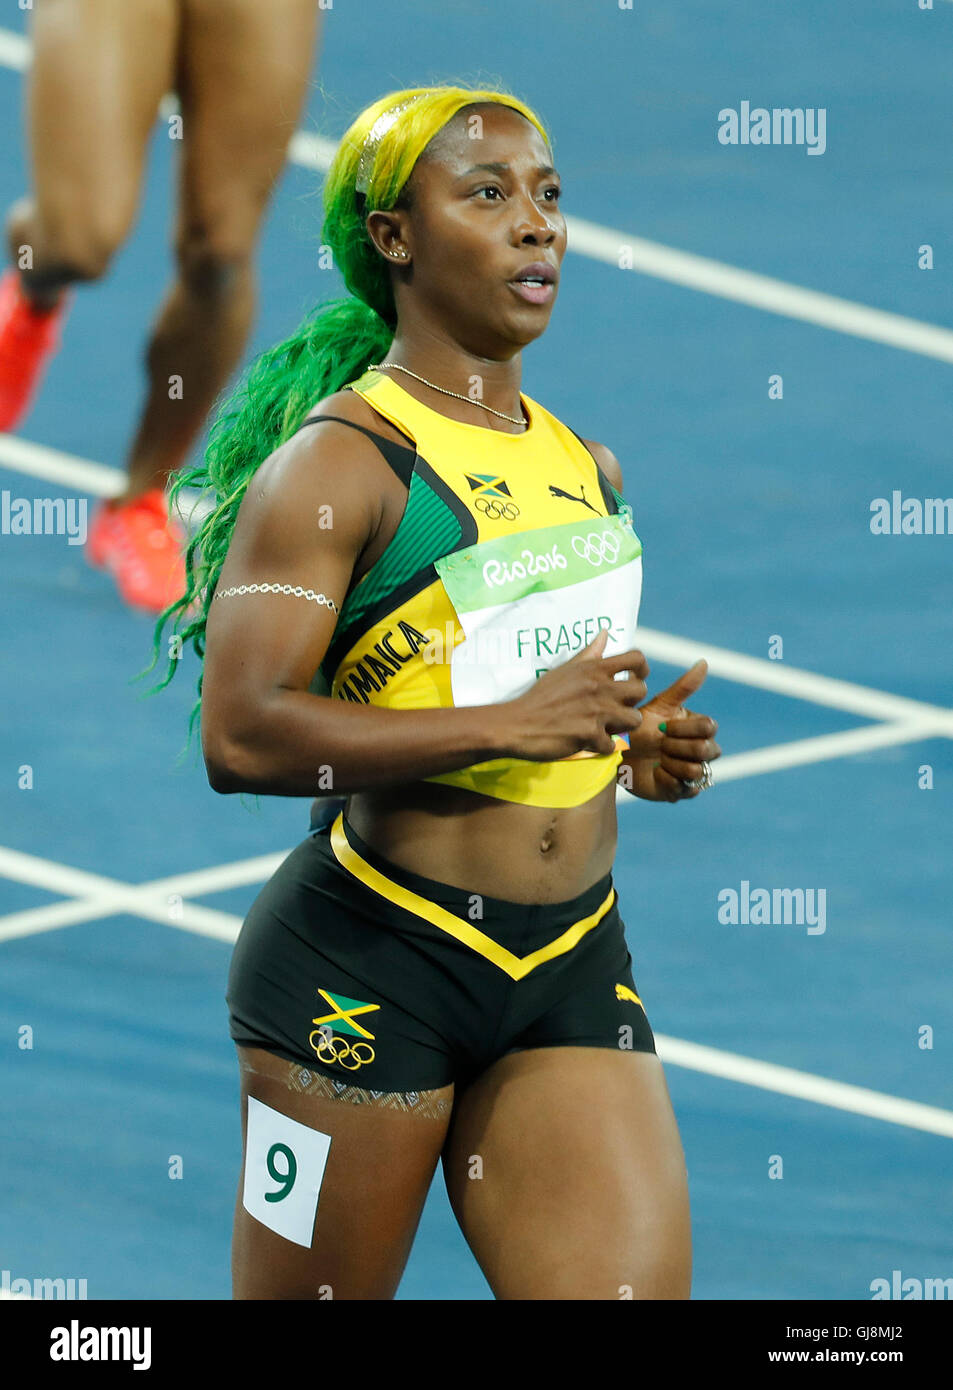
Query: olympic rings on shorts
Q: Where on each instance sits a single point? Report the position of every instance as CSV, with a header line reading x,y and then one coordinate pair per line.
x,y
340,1050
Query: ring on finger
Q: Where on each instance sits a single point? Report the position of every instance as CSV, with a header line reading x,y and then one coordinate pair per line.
x,y
702,783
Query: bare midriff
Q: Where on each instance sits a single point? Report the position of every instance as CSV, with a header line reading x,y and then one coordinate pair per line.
x,y
525,854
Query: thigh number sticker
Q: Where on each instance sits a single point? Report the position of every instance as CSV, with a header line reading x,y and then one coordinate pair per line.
x,y
284,1169
286,1179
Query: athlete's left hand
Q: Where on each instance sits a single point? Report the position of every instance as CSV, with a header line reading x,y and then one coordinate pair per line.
x,y
658,763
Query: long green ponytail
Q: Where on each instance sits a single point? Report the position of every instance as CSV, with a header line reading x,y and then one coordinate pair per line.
x,y
333,346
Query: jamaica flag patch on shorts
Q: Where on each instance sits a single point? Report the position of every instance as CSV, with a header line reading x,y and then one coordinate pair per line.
x,y
342,1019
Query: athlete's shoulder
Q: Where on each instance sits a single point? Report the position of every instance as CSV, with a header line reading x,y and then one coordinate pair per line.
x,y
607,461
330,464
348,405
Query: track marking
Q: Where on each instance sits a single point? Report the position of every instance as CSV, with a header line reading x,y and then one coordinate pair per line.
x,y
759,291
803,1085
54,466
802,751
95,896
309,150
783,679
15,50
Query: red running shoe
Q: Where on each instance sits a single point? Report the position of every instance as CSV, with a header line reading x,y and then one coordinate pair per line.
x,y
143,547
28,339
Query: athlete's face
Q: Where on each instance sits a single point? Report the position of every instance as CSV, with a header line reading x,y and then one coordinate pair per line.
x,y
484,212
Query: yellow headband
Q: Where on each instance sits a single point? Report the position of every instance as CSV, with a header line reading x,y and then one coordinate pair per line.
x,y
372,143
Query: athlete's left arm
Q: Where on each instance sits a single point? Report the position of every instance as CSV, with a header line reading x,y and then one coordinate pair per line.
x,y
657,763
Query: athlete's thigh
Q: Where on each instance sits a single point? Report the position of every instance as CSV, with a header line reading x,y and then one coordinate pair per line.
x,y
243,76
99,71
566,1173
374,1179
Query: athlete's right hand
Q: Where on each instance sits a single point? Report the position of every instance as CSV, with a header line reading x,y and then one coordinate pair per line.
x,y
578,706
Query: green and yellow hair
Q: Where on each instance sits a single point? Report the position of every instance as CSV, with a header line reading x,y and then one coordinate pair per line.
x,y
334,345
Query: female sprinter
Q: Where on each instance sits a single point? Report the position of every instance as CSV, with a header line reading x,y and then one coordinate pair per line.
x,y
99,70
442,971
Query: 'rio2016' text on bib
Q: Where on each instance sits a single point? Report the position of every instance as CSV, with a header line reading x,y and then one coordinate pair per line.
x,y
529,602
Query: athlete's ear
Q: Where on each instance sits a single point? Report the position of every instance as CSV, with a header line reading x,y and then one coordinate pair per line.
x,y
389,231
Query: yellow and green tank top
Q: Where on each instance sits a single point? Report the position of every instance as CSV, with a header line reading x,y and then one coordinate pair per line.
x,y
512,551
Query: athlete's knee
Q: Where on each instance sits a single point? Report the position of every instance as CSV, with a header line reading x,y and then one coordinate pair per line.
x,y
81,247
211,260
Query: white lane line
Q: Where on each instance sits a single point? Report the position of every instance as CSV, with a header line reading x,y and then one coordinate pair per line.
x,y
815,750
315,152
54,466
86,476
201,921
783,679
760,291
820,1090
54,876
310,151
803,751
94,896
57,877
99,896
219,877
15,50
51,916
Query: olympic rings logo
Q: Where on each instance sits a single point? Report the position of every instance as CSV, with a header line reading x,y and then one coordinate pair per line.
x,y
495,510
332,1049
597,548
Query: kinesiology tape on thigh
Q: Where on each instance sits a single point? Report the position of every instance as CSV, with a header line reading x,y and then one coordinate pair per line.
x,y
428,1105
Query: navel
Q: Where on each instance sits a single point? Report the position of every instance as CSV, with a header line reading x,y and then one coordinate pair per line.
x,y
549,837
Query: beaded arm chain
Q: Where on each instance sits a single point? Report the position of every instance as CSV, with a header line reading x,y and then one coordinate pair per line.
x,y
295,590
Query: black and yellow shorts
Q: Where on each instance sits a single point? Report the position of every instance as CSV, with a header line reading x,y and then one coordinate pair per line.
x,y
358,969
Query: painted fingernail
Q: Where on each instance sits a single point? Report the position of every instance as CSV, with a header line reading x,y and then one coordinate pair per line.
x,y
663,726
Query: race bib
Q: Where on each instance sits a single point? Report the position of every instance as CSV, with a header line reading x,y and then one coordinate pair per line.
x,y
530,601
284,1168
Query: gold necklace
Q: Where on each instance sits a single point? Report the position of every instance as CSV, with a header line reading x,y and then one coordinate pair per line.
x,y
469,399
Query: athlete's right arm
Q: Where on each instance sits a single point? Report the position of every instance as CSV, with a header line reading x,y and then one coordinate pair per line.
x,y
309,513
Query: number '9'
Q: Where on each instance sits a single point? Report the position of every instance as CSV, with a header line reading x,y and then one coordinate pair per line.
x,y
286,1179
